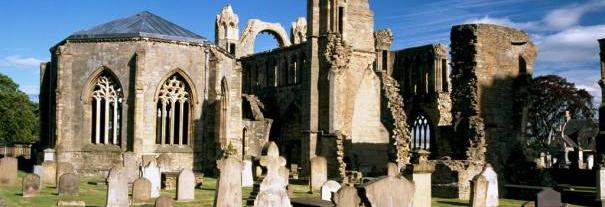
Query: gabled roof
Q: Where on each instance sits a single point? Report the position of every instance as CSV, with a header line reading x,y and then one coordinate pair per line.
x,y
143,24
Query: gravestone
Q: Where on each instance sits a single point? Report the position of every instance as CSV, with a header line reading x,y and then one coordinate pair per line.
x,y
8,171
49,154
479,188
131,166
49,171
346,196
548,198
147,159
63,168
38,170
601,184
164,201
164,162
294,171
328,188
247,177
229,185
152,173
421,175
185,188
273,188
319,173
388,191
117,187
69,184
30,185
590,162
71,204
492,186
141,191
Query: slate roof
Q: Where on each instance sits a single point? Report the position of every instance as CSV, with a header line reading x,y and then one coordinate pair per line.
x,y
143,24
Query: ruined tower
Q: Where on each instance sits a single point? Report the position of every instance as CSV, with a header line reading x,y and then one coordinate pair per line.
x,y
227,29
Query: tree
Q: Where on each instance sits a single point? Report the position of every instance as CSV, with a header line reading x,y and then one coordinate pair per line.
x,y
18,115
549,97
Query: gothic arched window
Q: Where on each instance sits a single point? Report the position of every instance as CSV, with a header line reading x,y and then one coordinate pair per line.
x,y
421,133
106,110
173,112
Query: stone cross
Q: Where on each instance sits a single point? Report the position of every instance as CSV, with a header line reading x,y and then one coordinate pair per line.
x,y
185,188
247,177
319,173
547,198
479,186
30,185
152,173
273,188
229,185
328,188
117,187
492,186
346,196
69,184
141,191
8,171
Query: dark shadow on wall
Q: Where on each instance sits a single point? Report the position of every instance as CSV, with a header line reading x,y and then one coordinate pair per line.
x,y
130,103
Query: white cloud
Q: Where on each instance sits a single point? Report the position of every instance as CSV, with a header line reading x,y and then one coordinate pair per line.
x,y
17,61
574,45
566,17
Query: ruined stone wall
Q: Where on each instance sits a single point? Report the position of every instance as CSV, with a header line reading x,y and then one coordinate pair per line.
x,y
486,62
141,67
422,74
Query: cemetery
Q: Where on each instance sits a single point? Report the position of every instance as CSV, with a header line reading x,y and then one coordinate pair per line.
x,y
139,111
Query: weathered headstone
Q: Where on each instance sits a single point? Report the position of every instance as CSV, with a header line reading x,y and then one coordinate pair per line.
x,y
479,186
49,154
164,201
347,196
590,162
185,188
328,188
64,167
71,204
294,171
492,186
152,173
117,187
131,166
141,191
164,162
273,188
229,185
285,173
147,159
8,171
421,175
69,184
548,198
30,185
319,173
38,170
49,169
388,191
247,177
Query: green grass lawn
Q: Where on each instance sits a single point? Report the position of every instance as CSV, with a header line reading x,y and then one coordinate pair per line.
x,y
94,195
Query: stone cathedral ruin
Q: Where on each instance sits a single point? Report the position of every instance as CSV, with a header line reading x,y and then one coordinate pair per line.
x,y
333,88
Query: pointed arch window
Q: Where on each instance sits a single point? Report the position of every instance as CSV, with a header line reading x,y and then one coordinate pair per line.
x,y
106,110
173,112
421,133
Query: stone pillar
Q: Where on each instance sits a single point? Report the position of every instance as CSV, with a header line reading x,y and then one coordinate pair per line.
x,y
600,149
421,176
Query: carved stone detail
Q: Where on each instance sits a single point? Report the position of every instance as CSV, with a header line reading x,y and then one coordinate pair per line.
x,y
338,53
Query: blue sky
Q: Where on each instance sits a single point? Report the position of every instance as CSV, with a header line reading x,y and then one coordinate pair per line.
x,y
565,31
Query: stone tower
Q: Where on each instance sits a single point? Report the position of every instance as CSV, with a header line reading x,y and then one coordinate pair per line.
x,y
227,29
344,90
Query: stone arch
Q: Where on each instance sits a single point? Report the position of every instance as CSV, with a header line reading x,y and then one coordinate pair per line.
x,y
187,79
90,82
255,27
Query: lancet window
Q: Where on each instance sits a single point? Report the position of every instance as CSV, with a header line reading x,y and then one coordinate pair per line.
x,y
173,112
106,111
